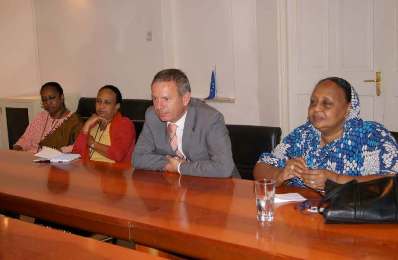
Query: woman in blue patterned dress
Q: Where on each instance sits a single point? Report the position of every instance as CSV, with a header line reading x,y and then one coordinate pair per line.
x,y
333,144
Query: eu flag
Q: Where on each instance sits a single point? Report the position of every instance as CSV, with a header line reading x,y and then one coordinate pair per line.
x,y
213,89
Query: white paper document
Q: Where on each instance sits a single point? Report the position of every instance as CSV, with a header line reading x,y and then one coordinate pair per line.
x,y
288,197
55,156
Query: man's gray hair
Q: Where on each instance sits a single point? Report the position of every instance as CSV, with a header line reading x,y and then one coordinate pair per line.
x,y
175,75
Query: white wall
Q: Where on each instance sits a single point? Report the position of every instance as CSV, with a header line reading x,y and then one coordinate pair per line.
x,y
240,38
87,44
246,107
204,39
19,74
268,83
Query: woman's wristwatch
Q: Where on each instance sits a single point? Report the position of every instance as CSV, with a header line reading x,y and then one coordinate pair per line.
x,y
92,145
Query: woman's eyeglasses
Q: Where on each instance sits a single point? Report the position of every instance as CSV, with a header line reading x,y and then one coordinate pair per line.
x,y
47,99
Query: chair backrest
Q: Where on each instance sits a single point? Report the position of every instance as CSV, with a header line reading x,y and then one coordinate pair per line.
x,y
395,134
132,108
138,124
248,142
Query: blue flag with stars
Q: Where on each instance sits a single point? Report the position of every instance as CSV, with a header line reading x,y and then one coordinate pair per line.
x,y
213,89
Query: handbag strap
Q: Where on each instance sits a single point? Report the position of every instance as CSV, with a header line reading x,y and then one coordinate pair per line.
x,y
338,187
333,193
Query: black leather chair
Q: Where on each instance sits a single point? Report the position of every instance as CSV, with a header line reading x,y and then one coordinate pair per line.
x,y
132,108
86,107
248,142
395,134
138,124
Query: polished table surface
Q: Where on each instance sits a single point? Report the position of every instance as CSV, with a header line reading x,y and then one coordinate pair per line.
x,y
21,240
197,217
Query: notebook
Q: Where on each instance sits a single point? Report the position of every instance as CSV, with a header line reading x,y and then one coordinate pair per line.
x,y
55,156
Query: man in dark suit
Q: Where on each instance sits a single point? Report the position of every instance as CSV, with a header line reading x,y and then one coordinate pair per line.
x,y
183,134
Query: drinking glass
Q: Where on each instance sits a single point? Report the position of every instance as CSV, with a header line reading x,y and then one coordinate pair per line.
x,y
265,196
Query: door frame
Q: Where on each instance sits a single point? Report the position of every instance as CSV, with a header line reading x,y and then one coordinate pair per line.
x,y
283,68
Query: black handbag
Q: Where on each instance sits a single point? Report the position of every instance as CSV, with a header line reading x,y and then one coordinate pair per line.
x,y
374,201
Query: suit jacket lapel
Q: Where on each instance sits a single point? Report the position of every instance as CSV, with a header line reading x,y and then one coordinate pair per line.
x,y
189,129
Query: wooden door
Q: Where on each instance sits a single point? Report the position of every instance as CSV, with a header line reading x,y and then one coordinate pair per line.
x,y
352,39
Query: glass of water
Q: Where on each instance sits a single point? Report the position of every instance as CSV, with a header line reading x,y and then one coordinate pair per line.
x,y
265,196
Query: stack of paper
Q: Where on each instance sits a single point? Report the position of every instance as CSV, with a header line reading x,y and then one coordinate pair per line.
x,y
55,156
288,197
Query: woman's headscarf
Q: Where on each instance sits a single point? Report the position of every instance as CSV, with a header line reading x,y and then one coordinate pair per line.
x,y
353,115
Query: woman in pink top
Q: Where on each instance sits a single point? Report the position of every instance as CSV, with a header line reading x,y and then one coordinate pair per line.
x,y
55,127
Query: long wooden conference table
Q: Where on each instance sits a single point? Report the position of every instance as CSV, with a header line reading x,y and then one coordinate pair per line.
x,y
191,216
21,240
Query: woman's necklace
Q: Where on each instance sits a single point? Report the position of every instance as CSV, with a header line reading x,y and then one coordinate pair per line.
x,y
52,126
95,138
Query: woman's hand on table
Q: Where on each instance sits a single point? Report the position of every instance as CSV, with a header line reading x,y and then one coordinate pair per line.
x,y
294,168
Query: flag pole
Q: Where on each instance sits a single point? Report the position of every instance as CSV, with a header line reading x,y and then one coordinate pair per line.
x,y
215,76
